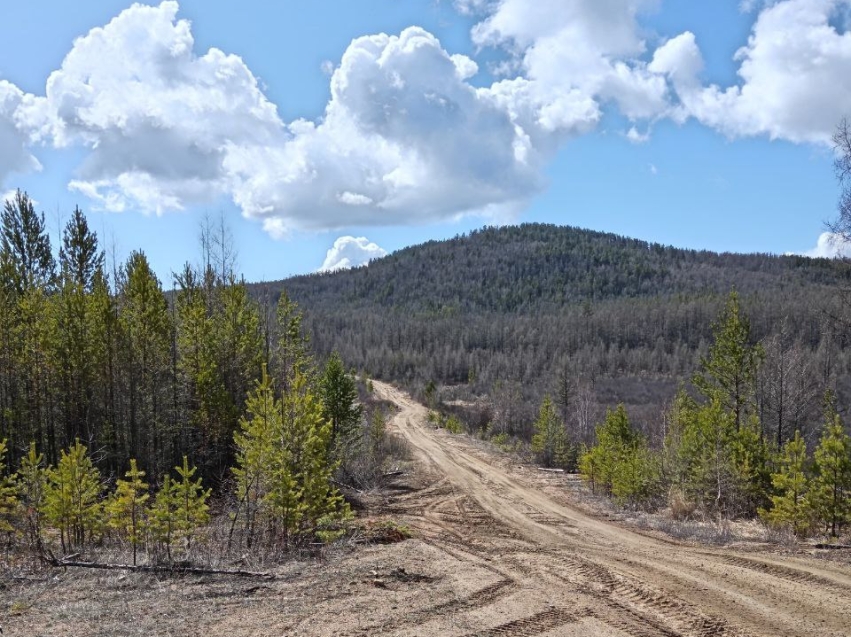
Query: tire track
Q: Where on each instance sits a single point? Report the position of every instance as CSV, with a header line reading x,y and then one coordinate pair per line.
x,y
559,553
782,572
641,609
530,626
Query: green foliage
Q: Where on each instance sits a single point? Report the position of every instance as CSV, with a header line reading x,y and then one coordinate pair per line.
x,y
72,499
8,493
636,478
728,374
284,472
125,508
621,462
830,490
25,244
190,498
550,439
789,506
32,487
452,424
307,439
339,400
259,450
722,469
162,516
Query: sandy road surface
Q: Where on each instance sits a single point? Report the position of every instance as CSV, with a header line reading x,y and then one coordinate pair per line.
x,y
498,549
557,571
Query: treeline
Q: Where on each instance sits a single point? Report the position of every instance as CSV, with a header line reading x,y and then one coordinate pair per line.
x,y
718,459
106,379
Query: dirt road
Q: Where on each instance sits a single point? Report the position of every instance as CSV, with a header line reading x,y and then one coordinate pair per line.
x,y
497,549
557,571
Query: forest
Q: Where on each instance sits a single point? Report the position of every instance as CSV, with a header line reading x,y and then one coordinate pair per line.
x,y
127,412
614,357
502,316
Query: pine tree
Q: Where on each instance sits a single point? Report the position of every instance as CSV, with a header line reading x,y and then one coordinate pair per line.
x,y
72,500
789,506
291,349
307,437
616,438
126,507
25,243
80,256
550,438
259,446
339,400
830,490
32,487
728,374
8,494
191,511
162,517
146,325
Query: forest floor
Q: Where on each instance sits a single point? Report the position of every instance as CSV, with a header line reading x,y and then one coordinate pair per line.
x,y
497,549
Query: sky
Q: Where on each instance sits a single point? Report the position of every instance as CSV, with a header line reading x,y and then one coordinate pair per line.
x,y
328,133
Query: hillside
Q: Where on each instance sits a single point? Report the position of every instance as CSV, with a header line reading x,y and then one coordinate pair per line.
x,y
522,309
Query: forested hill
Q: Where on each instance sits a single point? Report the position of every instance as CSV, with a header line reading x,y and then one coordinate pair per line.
x,y
504,315
534,266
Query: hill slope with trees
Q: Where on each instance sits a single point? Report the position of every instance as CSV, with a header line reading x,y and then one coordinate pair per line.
x,y
502,316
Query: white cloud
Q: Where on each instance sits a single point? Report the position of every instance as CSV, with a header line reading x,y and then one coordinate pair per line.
x,y
794,70
636,137
653,169
575,55
405,137
15,156
350,252
829,246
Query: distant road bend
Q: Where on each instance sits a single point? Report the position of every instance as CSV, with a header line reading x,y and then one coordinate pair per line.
x,y
598,578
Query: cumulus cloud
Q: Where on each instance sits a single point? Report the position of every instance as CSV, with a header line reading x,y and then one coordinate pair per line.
x,y
15,156
795,83
829,246
350,252
575,56
405,137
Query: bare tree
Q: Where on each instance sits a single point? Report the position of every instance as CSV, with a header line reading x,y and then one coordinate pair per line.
x,y
841,226
788,385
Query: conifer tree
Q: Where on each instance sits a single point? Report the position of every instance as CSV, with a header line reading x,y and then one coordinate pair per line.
x,y
728,374
339,400
789,506
259,445
830,490
8,494
615,438
162,517
550,438
291,350
190,498
32,486
126,506
25,243
307,437
72,497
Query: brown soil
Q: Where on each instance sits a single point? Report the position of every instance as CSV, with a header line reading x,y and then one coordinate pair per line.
x,y
498,549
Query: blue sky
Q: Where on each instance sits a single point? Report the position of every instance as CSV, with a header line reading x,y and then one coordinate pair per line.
x,y
326,133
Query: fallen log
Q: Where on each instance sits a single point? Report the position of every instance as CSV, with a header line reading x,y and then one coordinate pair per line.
x,y
151,568
551,470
